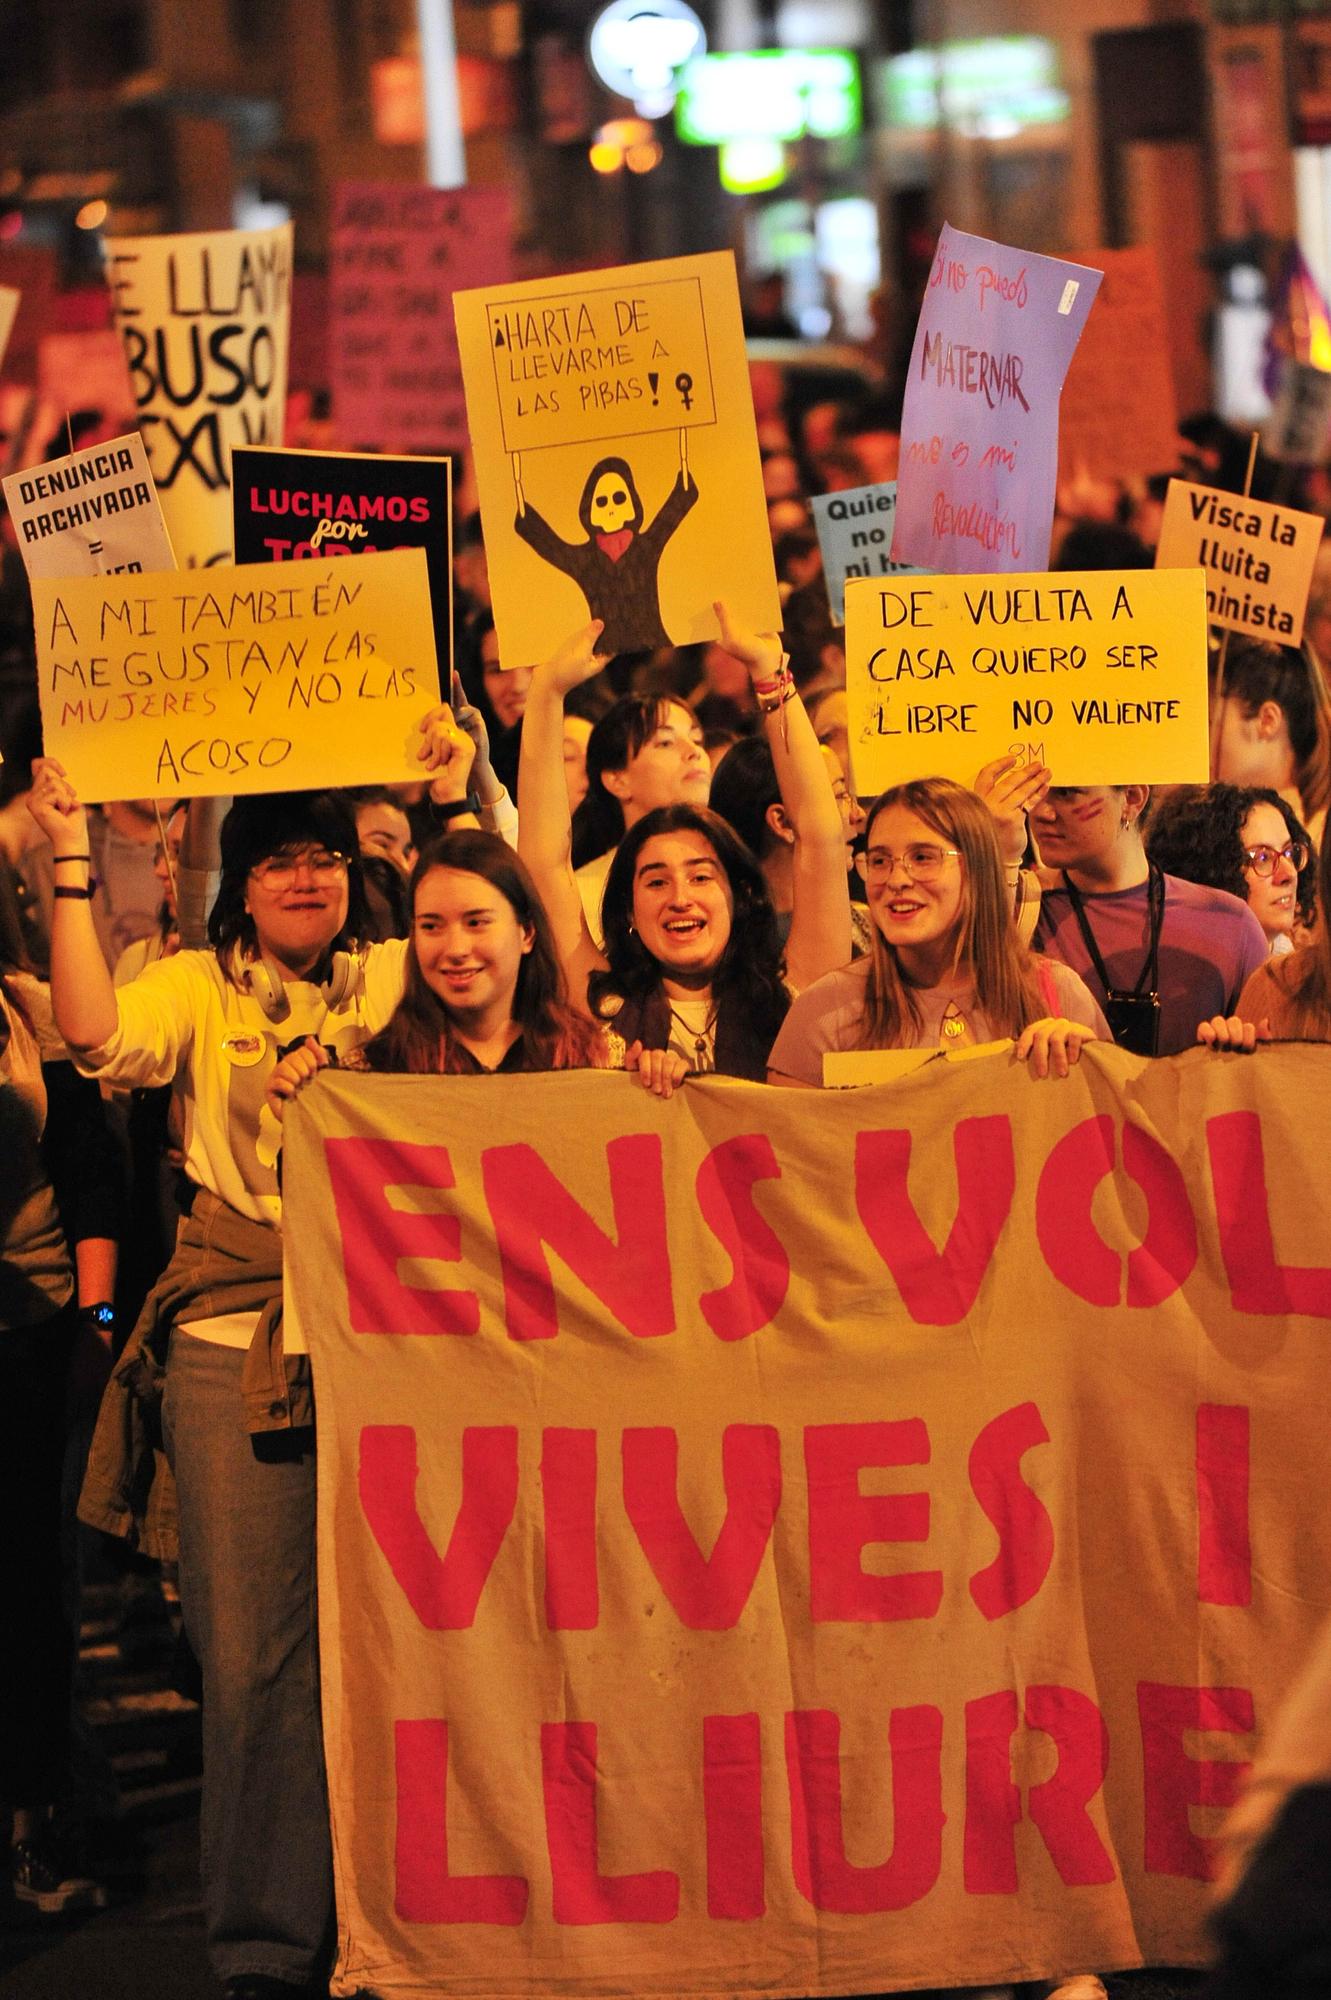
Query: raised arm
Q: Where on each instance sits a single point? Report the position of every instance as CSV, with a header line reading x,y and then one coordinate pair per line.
x,y
545,831
820,918
82,997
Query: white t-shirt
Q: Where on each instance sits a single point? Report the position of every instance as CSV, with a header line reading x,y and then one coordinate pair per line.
x,y
183,1021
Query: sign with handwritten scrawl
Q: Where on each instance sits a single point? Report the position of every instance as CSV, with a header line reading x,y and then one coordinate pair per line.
x,y
398,253
252,679
979,435
1100,674
204,320
1258,557
616,456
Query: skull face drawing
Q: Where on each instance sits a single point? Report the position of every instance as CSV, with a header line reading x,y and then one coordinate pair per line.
x,y
611,508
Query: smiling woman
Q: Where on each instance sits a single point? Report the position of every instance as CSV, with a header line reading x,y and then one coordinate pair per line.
x,y
947,967
692,961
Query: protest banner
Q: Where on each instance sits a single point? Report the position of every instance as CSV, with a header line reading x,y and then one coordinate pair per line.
x,y
86,371
398,254
783,1544
647,360
204,320
855,538
979,432
92,513
1258,557
239,681
292,505
8,314
1118,415
1101,674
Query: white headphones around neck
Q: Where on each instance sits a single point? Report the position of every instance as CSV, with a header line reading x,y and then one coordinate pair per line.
x,y
261,979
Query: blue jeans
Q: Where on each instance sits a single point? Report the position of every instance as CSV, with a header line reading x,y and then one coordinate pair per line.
x,y
247,1592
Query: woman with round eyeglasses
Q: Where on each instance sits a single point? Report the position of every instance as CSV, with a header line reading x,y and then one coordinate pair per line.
x,y
1243,839
206,1361
946,968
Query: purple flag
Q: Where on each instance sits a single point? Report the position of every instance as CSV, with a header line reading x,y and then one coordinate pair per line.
x,y
979,436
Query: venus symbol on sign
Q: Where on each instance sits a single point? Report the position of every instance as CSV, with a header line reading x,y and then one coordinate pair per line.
x,y
684,383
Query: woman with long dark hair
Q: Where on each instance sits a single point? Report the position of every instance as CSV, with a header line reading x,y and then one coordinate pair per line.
x,y
946,968
484,991
692,961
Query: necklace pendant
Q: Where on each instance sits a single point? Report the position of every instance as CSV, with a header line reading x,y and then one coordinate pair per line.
x,y
953,1025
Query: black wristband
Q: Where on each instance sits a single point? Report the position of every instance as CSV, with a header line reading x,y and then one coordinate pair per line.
x,y
75,895
456,808
58,859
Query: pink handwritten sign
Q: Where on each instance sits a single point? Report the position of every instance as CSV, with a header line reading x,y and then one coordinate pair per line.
x,y
398,254
979,437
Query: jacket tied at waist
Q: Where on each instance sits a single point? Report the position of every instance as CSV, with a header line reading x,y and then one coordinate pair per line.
x,y
223,1262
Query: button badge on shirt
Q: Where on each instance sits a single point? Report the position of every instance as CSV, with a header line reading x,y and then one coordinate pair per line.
x,y
243,1048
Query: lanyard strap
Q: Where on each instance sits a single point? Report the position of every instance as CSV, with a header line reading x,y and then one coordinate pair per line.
x,y
1155,901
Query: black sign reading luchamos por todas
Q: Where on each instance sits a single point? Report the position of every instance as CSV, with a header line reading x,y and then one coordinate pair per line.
x,y
292,505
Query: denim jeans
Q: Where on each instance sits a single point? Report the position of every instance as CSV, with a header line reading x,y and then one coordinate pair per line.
x,y
247,1592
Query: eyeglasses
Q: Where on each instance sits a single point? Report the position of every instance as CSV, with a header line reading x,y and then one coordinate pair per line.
x,y
1262,860
921,863
279,870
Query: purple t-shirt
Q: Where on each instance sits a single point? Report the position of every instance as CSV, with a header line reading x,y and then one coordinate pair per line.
x,y
1209,944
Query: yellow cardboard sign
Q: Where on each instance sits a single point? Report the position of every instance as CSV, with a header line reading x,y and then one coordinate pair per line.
x,y
205,321
1100,674
251,679
1258,557
616,456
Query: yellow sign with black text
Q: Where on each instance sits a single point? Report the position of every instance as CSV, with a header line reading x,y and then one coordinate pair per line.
x,y
230,680
1100,674
1258,557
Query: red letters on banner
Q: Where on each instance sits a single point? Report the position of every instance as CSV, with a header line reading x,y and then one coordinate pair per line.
x,y
530,1208
1175,1781
937,1288
735,1826
1071,1245
842,1521
1243,1209
1224,1550
825,1877
707,1593
1058,1807
629,1273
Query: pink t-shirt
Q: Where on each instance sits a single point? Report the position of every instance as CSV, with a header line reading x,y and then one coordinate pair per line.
x,y
829,1015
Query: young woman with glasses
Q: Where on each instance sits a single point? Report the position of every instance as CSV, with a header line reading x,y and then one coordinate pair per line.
x,y
1245,840
236,1417
946,967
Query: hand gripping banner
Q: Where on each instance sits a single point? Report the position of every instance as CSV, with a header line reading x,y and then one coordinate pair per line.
x,y
781,1544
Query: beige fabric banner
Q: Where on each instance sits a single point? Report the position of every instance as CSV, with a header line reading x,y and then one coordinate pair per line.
x,y
783,1544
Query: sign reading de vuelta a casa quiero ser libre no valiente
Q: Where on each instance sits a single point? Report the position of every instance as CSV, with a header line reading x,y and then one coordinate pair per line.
x,y
1100,674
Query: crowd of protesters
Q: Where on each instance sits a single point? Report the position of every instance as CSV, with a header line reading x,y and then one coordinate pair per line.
x,y
655,863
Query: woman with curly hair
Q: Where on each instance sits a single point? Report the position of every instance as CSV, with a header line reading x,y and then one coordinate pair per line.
x,y
1287,999
692,966
946,968
1246,840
